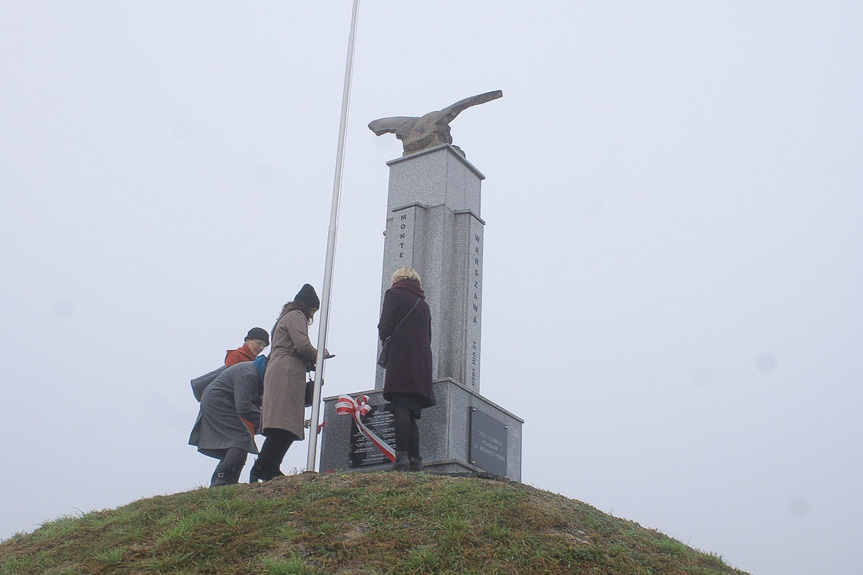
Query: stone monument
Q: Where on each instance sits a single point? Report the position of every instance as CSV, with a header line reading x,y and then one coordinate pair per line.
x,y
434,226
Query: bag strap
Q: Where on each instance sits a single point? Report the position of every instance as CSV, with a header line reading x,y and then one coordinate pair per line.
x,y
405,317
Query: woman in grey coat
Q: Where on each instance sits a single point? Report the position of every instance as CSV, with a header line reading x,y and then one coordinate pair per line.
x,y
230,415
291,355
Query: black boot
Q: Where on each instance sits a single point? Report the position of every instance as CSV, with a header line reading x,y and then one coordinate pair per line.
x,y
415,463
263,471
226,474
401,462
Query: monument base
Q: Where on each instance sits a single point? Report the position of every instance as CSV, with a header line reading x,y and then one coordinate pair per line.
x,y
464,432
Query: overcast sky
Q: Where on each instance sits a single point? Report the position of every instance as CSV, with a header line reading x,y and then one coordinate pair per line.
x,y
672,278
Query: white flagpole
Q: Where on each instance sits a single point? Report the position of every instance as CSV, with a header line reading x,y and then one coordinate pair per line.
x,y
331,249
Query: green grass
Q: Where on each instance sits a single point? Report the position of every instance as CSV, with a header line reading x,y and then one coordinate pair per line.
x,y
356,523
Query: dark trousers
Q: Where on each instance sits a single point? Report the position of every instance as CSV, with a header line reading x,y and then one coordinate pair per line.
x,y
275,447
235,456
407,433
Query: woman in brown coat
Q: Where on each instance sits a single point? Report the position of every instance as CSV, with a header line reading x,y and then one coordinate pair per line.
x,y
406,319
285,383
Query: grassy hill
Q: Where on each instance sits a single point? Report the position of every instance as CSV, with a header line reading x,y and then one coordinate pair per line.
x,y
353,523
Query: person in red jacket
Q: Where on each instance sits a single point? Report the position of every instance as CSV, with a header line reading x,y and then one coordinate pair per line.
x,y
256,340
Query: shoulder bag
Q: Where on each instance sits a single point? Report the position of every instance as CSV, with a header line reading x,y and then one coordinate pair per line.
x,y
385,349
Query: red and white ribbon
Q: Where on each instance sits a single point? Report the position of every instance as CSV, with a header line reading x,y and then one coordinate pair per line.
x,y
359,407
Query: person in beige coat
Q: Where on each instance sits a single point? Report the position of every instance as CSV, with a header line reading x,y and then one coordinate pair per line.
x,y
291,355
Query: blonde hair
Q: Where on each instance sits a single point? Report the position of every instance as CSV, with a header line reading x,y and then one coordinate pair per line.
x,y
406,273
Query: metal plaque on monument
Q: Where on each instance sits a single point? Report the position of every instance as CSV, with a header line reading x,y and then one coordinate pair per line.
x,y
364,452
433,225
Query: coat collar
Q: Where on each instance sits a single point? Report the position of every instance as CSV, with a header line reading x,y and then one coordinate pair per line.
x,y
410,286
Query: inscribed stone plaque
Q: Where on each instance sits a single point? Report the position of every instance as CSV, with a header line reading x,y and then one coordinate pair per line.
x,y
487,443
363,452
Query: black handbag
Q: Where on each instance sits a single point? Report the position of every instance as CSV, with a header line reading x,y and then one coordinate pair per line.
x,y
310,392
385,347
385,352
310,382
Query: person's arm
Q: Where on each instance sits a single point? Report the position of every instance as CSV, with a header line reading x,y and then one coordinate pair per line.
x,y
246,393
388,316
298,331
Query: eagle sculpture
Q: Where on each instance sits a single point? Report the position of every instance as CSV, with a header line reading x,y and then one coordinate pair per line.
x,y
430,130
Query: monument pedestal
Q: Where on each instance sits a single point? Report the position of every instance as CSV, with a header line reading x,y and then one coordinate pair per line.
x,y
464,432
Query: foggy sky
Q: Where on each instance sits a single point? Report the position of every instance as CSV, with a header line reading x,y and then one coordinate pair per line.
x,y
672,271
